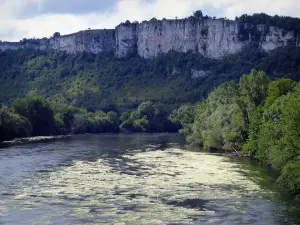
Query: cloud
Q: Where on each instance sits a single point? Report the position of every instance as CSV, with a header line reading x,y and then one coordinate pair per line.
x,y
41,18
66,7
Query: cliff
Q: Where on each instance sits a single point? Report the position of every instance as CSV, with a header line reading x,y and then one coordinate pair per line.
x,y
90,41
213,38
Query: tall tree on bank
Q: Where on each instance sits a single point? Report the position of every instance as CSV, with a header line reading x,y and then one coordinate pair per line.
x,y
39,114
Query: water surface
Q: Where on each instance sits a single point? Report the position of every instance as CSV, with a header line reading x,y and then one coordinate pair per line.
x,y
133,179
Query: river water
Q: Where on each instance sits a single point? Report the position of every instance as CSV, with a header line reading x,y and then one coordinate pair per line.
x,y
134,179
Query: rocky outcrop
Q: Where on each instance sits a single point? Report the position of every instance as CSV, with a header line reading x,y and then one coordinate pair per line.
x,y
36,44
199,73
94,41
126,39
213,38
90,41
277,37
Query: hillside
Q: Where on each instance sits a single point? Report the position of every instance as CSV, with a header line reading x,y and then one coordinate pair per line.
x,y
102,81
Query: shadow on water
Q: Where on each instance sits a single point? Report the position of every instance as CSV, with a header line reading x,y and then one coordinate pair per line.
x,y
266,177
195,203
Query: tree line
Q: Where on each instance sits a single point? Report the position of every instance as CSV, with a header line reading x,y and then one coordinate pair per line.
x,y
37,116
256,116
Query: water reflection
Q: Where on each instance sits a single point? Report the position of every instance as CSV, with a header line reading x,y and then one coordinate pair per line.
x,y
130,179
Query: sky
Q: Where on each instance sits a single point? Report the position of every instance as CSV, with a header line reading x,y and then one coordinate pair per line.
x,y
42,18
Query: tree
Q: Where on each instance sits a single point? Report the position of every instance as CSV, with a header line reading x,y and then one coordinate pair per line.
x,y
112,120
56,35
198,14
60,127
253,88
146,109
20,106
183,118
124,116
6,124
68,119
218,122
278,88
38,112
127,22
12,125
81,125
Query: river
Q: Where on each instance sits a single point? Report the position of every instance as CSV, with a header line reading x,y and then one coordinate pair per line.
x,y
134,179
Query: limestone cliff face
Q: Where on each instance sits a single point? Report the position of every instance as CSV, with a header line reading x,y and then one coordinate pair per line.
x,y
40,44
10,45
91,41
213,38
126,39
277,37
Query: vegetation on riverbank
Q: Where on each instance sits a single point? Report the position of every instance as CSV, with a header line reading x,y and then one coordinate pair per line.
x,y
257,116
36,116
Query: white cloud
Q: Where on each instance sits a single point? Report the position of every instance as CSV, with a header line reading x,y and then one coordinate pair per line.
x,y
14,28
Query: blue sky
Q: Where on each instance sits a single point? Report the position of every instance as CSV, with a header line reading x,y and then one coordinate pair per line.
x,y
41,18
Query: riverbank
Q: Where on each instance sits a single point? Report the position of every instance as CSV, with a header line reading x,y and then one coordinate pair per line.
x,y
27,140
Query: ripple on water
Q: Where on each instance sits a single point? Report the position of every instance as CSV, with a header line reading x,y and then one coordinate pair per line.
x,y
152,187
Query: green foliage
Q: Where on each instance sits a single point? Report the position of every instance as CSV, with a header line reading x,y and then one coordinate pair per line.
x,y
142,124
105,82
219,120
285,22
6,124
125,116
112,122
148,117
290,176
41,117
278,88
38,112
34,116
254,117
12,125
183,118
252,94
259,117
68,119
20,106
253,88
97,122
146,109
59,124
278,136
